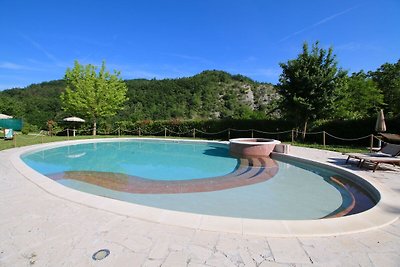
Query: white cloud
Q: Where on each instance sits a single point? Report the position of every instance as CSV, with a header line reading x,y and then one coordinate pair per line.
x,y
324,20
41,48
11,66
14,66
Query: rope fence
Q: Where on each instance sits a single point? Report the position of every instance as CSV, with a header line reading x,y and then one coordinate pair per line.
x,y
288,135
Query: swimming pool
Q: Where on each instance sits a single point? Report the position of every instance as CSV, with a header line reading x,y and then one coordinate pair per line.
x,y
202,178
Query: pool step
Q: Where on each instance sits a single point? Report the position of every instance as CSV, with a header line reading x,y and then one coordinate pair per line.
x,y
250,171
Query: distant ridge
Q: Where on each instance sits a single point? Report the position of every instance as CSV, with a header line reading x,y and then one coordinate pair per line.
x,y
209,94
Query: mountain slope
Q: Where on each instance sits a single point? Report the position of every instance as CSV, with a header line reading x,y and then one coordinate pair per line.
x,y
210,94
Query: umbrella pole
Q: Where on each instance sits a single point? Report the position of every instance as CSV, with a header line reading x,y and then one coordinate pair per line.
x,y
379,142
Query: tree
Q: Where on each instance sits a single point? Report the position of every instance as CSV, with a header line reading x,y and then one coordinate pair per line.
x,y
387,77
307,84
359,99
93,95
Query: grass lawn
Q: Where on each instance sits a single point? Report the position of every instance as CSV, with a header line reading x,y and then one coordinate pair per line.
x,y
26,140
337,148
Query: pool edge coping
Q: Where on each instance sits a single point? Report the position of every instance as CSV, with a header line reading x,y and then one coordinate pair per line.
x,y
371,219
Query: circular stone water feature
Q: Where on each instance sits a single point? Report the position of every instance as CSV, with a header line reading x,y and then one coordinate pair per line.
x,y
252,147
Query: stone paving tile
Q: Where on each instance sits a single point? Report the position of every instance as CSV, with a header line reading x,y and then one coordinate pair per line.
x,y
176,259
393,229
152,263
195,264
287,250
275,264
385,259
160,250
257,248
200,254
220,259
247,259
205,238
126,259
379,241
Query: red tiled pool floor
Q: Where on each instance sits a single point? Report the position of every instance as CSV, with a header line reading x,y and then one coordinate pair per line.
x,y
250,171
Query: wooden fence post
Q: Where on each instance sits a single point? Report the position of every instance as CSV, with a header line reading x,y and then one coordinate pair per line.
x,y
292,136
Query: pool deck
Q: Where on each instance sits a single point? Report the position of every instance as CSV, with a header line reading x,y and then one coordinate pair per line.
x,y
40,228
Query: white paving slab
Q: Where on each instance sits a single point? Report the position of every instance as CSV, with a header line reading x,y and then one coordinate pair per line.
x,y
286,250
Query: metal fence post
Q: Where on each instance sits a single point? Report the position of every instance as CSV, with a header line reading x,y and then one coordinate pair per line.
x,y
165,132
194,132
229,133
323,138
252,133
139,132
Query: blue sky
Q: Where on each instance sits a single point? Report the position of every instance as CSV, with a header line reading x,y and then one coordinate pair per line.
x,y
180,38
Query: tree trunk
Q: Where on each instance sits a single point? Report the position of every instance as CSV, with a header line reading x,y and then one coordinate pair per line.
x,y
305,130
94,127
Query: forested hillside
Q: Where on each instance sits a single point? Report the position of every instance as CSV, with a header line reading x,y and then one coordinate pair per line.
x,y
210,94
310,91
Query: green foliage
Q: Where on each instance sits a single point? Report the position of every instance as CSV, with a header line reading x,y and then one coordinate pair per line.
x,y
308,84
355,128
208,95
387,77
29,128
93,95
209,129
35,104
359,98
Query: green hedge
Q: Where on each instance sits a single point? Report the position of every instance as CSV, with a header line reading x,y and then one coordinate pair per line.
x,y
354,129
217,129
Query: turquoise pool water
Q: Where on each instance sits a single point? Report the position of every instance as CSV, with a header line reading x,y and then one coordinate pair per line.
x,y
116,169
148,159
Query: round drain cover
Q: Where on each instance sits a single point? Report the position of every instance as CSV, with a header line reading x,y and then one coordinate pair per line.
x,y
101,254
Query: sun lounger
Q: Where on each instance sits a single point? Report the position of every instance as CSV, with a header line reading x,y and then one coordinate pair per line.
x,y
8,134
389,153
392,138
377,160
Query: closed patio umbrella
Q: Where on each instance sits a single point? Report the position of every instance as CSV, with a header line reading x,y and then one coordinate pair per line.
x,y
74,119
380,125
4,116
